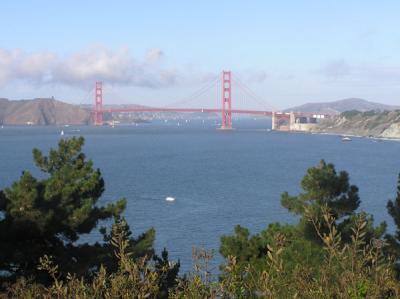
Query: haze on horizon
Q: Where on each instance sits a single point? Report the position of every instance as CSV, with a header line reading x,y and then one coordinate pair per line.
x,y
153,53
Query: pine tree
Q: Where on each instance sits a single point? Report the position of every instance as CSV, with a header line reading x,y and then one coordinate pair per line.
x,y
323,186
48,215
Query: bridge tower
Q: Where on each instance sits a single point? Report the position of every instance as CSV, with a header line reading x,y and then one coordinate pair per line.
x,y
226,123
98,110
273,121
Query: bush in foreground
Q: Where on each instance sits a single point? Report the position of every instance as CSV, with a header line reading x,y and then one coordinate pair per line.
x,y
349,270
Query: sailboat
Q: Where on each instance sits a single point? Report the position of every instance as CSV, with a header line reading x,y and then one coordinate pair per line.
x,y
62,133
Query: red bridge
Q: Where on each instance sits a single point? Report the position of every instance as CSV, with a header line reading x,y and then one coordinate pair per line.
x,y
280,120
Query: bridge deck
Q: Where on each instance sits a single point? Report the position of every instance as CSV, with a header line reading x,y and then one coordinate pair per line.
x,y
193,110
209,110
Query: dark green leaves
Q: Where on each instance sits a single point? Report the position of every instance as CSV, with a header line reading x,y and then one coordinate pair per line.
x,y
47,216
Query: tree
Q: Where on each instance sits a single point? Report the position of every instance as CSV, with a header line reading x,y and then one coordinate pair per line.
x,y
47,216
167,273
244,247
324,187
253,249
393,207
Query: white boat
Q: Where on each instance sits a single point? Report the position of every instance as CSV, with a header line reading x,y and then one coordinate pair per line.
x,y
346,138
62,133
169,198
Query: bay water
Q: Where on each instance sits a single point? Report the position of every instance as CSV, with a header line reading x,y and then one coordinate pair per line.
x,y
218,178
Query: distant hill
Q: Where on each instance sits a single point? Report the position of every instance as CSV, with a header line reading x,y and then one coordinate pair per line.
x,y
337,107
43,111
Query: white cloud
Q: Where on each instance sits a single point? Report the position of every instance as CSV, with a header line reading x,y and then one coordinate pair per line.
x,y
16,64
85,67
6,58
36,66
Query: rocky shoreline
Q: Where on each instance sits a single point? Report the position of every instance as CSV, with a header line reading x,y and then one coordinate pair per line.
x,y
383,125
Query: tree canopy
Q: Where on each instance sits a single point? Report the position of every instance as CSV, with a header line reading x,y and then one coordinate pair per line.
x,y
47,216
323,186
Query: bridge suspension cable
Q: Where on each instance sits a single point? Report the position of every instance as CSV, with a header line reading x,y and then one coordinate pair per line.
x,y
195,95
246,89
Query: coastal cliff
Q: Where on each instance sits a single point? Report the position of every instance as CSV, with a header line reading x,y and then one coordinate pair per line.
x,y
385,124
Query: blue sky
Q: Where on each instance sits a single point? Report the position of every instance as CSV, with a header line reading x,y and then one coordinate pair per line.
x,y
154,52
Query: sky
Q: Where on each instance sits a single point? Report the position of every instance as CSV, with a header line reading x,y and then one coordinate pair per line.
x,y
157,52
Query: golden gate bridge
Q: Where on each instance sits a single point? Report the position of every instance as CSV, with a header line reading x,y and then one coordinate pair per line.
x,y
224,82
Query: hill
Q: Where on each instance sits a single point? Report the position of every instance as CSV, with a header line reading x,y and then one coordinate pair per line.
x,y
338,107
384,124
42,111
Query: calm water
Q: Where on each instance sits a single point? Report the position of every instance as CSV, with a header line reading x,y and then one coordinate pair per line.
x,y
219,179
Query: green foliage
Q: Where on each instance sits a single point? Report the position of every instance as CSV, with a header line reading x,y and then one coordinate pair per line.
x,y
243,246
139,247
373,113
358,269
303,254
393,207
253,249
323,186
350,114
167,273
133,278
348,270
47,216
